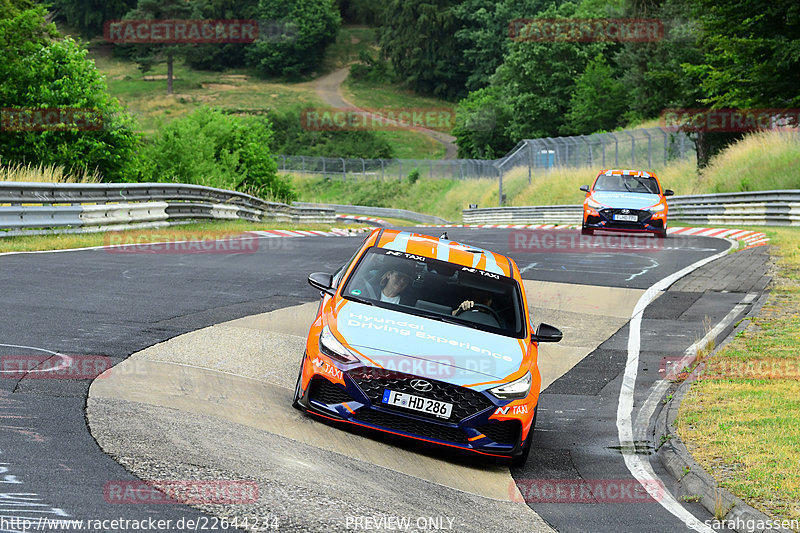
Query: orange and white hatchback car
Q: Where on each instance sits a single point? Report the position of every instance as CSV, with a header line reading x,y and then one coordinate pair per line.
x,y
625,200
429,339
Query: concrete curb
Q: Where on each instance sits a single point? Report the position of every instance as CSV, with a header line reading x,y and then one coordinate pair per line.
x,y
677,460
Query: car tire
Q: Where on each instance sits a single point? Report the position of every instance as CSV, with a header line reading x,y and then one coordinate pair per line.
x,y
661,234
520,460
296,397
587,231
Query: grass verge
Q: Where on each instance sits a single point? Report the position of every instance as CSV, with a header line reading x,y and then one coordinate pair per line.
x,y
146,96
746,160
197,231
740,420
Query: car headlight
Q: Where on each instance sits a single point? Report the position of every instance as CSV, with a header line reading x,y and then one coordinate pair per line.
x,y
656,208
594,205
330,346
515,390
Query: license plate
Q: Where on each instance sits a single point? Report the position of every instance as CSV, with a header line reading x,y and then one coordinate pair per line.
x,y
627,218
417,403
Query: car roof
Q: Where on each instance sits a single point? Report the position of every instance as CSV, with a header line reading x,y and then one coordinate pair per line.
x,y
618,172
445,250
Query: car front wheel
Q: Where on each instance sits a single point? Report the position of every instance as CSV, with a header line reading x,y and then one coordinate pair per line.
x,y
522,458
297,387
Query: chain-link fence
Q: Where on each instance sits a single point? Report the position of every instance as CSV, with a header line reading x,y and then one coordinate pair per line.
x,y
640,149
386,169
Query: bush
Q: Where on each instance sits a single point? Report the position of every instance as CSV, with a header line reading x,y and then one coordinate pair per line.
x,y
308,27
291,138
208,147
371,69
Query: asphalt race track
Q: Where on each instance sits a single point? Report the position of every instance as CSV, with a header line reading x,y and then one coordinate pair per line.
x,y
102,303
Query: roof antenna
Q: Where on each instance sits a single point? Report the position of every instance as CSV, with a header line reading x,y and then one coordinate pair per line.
x,y
444,236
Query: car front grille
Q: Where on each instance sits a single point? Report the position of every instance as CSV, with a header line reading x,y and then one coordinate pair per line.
x,y
503,432
326,392
374,381
420,428
609,214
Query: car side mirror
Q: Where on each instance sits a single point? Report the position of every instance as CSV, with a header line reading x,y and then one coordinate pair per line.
x,y
668,192
585,188
322,281
547,333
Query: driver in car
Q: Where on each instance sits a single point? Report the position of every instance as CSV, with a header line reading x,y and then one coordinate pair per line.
x,y
480,298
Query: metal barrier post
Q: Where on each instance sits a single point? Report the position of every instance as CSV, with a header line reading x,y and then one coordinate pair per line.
x,y
633,148
530,161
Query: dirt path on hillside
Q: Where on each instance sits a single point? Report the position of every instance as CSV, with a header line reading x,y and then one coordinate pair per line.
x,y
329,89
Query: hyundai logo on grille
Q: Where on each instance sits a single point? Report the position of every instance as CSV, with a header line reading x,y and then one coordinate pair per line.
x,y
421,385
626,211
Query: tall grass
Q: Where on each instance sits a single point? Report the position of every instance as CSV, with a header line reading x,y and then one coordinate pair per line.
x,y
760,161
49,174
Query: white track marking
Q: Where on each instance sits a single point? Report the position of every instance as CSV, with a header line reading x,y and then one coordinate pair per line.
x,y
640,469
66,361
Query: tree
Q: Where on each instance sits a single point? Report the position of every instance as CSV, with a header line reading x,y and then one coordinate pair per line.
x,y
752,60
89,16
752,52
12,8
39,71
484,35
655,73
305,28
223,55
417,37
599,101
538,78
149,55
481,122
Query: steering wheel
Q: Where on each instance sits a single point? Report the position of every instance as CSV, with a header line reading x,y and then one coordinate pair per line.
x,y
484,308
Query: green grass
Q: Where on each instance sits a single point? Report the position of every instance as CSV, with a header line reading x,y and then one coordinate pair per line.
x,y
412,145
373,96
424,196
744,161
740,419
350,41
198,231
146,96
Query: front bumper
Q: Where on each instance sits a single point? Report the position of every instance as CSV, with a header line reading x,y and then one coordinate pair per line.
x,y
476,423
604,219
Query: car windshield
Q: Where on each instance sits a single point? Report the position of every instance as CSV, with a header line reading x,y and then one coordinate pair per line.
x,y
437,289
626,183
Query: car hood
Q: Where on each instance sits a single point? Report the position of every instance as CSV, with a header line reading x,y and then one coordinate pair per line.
x,y
626,200
427,347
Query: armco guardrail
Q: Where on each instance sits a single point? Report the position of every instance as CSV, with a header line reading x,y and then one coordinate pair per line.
x,y
758,208
376,212
542,214
769,208
77,207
